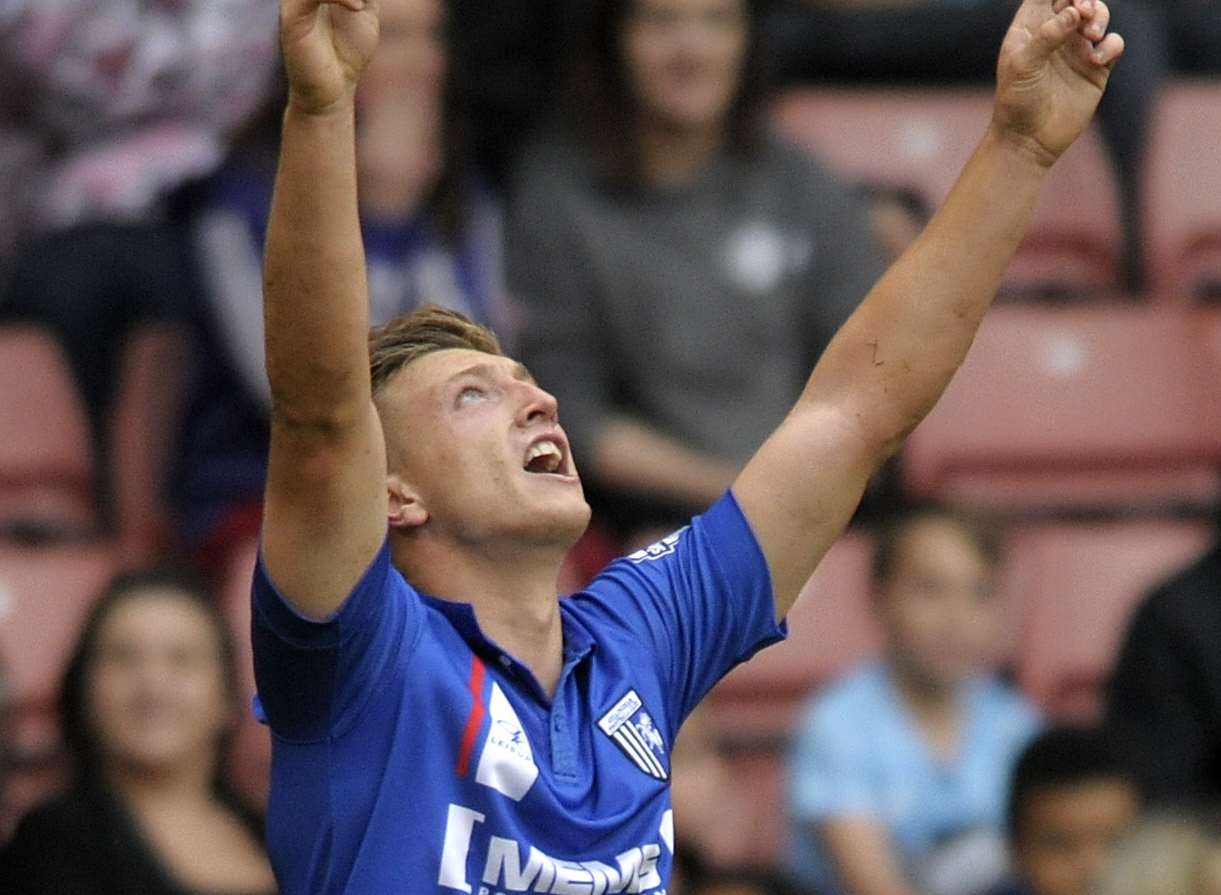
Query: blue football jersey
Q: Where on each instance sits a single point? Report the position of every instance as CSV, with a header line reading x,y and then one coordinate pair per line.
x,y
412,755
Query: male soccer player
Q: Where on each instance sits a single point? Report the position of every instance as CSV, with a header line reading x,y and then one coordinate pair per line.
x,y
442,722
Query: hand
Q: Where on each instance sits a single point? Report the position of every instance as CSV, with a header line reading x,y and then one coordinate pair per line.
x,y
326,46
1054,65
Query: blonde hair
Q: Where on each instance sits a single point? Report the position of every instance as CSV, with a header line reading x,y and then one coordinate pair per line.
x,y
408,337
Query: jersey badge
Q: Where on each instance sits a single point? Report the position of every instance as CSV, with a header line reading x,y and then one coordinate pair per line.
x,y
633,731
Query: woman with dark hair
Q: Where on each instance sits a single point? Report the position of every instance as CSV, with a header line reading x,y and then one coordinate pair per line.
x,y
147,705
680,267
432,236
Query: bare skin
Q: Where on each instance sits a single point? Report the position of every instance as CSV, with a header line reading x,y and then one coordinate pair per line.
x,y
332,491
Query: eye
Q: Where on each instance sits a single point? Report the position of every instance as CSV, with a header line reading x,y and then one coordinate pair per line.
x,y
471,394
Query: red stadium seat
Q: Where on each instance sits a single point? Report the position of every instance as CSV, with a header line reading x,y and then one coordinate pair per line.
x,y
830,629
143,433
45,465
1181,190
1105,408
920,139
1080,583
45,593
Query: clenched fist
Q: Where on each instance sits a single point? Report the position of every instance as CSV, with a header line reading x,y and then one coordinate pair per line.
x,y
326,46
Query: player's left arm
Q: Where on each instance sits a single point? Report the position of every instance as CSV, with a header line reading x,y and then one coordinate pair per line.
x,y
889,363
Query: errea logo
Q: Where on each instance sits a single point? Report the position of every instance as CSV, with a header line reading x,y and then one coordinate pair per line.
x,y
664,547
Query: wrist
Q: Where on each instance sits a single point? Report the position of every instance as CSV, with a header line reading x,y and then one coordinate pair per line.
x,y
342,106
1022,147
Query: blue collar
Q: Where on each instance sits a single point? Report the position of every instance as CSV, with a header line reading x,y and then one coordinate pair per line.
x,y
577,641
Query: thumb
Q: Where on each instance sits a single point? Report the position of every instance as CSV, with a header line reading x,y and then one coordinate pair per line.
x,y
1054,32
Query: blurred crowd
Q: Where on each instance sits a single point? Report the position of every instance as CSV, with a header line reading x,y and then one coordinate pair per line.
x,y
600,182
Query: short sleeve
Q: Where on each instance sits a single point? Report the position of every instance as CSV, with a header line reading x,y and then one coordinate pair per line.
x,y
314,677
698,602
828,775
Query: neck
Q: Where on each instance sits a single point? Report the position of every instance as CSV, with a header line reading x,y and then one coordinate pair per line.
x,y
927,697
673,156
139,785
515,596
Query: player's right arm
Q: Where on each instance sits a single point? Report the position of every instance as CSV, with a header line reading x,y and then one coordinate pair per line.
x,y
325,511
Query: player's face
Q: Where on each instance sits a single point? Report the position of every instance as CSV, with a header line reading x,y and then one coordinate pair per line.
x,y
156,693
481,444
1070,832
939,608
684,59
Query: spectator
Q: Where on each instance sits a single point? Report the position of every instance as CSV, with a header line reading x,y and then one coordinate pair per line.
x,y
943,41
1164,702
680,268
1166,856
432,235
898,773
121,103
1071,800
147,704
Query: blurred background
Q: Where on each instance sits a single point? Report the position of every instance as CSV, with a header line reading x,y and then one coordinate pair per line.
x,y
666,208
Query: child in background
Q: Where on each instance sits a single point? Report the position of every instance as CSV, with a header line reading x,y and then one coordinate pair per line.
x,y
899,769
1071,800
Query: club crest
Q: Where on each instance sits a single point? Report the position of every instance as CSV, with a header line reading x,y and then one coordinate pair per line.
x,y
633,731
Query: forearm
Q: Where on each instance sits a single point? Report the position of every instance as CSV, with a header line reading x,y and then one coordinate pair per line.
x,y
631,456
897,353
315,294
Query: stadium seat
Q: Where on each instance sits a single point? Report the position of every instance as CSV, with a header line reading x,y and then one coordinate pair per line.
x,y
45,467
920,139
143,433
830,629
1181,188
1080,583
1109,408
45,593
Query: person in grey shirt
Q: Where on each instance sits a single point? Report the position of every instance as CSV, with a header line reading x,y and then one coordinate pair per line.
x,y
679,268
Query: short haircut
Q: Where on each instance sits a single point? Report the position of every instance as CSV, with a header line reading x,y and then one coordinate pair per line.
x,y
1061,758
408,337
979,530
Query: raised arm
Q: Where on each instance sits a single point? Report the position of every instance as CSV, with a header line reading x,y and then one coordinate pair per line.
x,y
888,365
325,513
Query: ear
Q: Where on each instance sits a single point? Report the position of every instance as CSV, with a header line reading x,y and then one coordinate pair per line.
x,y
404,510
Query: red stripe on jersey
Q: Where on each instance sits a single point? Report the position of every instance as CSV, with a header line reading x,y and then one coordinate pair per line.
x,y
474,720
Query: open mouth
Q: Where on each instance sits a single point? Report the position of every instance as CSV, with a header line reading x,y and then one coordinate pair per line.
x,y
545,456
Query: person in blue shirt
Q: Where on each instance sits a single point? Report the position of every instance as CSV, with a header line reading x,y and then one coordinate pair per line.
x,y
899,770
441,721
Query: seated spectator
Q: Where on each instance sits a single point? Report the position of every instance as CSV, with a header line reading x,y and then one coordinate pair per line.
x,y
1071,800
432,236
679,267
898,774
1166,856
1164,700
147,704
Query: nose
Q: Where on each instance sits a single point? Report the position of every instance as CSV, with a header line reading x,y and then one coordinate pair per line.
x,y
538,406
